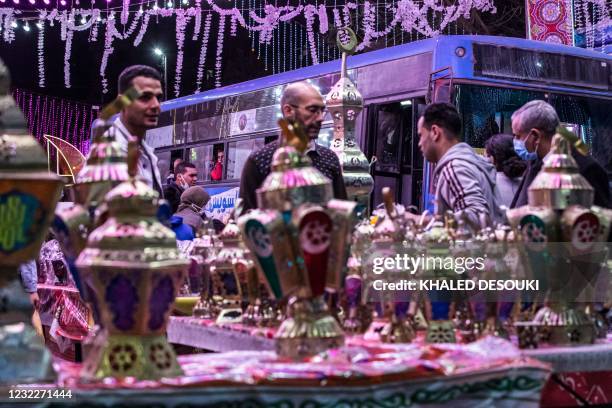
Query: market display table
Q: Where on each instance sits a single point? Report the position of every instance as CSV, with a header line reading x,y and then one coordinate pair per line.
x,y
583,374
205,334
490,372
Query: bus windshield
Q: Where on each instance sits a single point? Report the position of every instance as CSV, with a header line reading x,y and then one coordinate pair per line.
x,y
487,110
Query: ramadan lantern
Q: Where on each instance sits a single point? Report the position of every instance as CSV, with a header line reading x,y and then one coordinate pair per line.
x,y
564,236
28,196
291,238
134,268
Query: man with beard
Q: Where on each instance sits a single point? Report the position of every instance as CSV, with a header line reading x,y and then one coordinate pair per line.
x,y
140,116
302,103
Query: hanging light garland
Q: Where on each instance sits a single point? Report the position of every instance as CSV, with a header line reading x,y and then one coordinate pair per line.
x,y
410,15
46,115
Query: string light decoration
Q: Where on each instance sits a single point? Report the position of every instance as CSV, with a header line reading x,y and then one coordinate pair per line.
x,y
45,115
261,19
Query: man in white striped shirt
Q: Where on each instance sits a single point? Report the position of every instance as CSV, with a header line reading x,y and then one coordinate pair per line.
x,y
464,181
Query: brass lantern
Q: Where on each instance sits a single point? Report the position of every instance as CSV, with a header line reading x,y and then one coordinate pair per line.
x,y
292,237
28,196
391,324
563,235
134,268
229,272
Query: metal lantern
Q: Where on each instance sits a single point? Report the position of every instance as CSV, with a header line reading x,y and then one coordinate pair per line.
x,y
291,237
229,272
28,195
105,168
563,236
344,102
203,249
437,242
106,164
391,324
135,270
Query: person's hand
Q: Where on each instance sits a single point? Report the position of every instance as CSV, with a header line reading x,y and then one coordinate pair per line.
x,y
35,300
417,218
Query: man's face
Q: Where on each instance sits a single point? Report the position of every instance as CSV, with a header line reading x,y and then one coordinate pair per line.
x,y
143,113
220,157
190,176
530,137
309,112
427,140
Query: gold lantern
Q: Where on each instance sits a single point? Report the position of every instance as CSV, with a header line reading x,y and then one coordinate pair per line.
x,y
134,268
291,237
28,196
563,236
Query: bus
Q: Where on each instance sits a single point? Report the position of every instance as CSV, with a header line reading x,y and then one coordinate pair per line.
x,y
486,77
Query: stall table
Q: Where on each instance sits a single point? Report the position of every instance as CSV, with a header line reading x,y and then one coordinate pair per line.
x,y
582,374
490,372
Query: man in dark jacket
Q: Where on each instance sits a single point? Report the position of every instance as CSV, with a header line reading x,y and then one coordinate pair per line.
x,y
303,103
534,126
185,176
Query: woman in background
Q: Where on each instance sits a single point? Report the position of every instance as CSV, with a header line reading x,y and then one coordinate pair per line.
x,y
193,201
500,151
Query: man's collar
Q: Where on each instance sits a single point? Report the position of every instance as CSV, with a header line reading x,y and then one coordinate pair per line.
x,y
122,131
312,147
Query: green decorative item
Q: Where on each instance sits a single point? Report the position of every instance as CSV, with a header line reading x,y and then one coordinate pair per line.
x,y
346,39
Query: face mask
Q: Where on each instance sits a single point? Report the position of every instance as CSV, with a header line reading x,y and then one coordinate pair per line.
x,y
521,150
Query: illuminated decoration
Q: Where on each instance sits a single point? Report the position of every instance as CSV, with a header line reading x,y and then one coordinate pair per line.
x,y
265,23
67,120
550,21
592,25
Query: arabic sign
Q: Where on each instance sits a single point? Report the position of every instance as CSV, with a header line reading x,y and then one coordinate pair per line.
x,y
222,201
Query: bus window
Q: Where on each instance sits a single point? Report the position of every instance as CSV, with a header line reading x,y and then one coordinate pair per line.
x,y
201,157
388,134
482,107
237,154
217,163
163,164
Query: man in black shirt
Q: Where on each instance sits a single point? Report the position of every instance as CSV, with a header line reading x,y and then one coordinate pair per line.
x,y
534,125
185,176
303,103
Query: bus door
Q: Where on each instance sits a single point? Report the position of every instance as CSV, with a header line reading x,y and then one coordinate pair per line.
x,y
392,144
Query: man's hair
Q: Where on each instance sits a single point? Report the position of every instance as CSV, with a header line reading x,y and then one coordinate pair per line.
x,y
182,167
539,115
126,77
292,93
443,115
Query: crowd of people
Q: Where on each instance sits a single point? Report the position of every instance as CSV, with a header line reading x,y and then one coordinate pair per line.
x,y
464,181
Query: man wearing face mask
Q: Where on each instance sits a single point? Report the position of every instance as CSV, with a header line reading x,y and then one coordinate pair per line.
x,y
303,103
185,176
534,126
